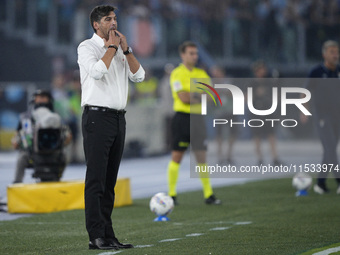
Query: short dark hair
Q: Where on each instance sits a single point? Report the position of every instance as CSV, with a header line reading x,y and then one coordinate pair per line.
x,y
184,46
43,93
260,63
99,12
329,43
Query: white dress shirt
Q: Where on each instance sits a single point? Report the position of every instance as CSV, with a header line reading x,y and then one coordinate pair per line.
x,y
101,86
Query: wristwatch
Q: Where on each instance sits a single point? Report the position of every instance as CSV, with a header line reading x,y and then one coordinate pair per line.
x,y
113,46
128,51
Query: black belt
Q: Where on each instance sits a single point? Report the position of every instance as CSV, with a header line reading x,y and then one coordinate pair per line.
x,y
104,109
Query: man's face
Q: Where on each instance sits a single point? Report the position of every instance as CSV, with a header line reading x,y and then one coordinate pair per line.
x,y
41,99
331,55
260,72
106,24
190,56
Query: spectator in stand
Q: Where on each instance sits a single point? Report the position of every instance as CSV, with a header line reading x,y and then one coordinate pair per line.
x,y
62,106
262,100
74,94
166,102
146,91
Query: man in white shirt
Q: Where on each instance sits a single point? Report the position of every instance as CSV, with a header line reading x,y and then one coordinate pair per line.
x,y
105,62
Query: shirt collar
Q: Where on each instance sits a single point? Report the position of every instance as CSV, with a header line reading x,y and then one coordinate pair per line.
x,y
337,69
184,67
98,40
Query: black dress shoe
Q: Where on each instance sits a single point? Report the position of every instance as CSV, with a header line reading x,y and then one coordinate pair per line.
x,y
101,244
175,200
212,200
116,243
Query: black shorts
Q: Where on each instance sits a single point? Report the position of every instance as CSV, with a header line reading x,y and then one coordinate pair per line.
x,y
232,129
266,129
181,130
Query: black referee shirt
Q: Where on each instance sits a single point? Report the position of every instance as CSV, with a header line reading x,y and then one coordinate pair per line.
x,y
325,92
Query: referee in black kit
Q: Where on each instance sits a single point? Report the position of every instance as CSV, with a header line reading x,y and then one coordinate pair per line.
x,y
105,62
326,106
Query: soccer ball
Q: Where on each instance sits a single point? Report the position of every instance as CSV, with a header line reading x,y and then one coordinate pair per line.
x,y
161,204
302,181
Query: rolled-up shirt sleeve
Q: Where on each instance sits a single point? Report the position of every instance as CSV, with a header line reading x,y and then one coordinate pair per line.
x,y
138,76
94,67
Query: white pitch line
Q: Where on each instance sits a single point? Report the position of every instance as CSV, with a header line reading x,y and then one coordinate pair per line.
x,y
194,234
109,253
144,246
218,222
219,228
243,223
170,240
190,235
328,251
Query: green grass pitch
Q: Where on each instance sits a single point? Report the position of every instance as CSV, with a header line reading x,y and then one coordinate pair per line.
x,y
262,217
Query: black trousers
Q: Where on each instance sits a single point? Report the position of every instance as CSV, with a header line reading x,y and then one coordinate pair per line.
x,y
104,136
328,127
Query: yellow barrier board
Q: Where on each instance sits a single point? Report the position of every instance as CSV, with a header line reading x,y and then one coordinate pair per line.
x,y
6,138
48,197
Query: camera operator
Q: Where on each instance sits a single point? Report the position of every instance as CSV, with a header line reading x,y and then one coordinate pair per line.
x,y
24,139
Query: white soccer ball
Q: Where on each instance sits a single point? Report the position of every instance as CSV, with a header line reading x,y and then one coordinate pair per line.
x,y
161,204
302,181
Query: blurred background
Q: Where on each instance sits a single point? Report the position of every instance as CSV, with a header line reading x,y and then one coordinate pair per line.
x,y
39,39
